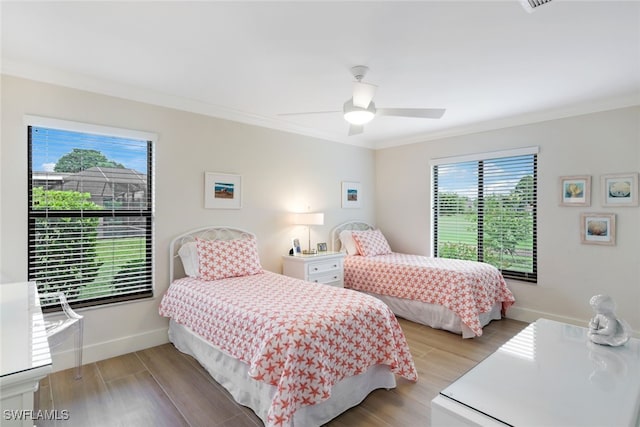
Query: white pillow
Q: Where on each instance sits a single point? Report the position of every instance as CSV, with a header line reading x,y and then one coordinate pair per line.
x,y
348,244
189,256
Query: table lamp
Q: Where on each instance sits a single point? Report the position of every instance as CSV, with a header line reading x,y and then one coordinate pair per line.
x,y
309,219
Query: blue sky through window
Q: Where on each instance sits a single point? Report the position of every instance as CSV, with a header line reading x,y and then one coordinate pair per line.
x,y
51,144
501,176
460,178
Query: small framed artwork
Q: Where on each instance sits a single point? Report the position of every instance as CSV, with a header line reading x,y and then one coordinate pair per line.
x,y
575,190
598,228
296,250
351,194
222,191
619,189
322,247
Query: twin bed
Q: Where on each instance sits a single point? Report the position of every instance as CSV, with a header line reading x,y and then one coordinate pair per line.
x,y
300,353
455,295
295,352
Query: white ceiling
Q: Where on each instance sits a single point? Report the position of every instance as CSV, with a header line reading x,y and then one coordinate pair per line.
x,y
490,64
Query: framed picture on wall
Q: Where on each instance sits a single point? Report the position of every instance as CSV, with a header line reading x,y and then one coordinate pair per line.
x,y
222,191
598,228
575,190
351,194
619,189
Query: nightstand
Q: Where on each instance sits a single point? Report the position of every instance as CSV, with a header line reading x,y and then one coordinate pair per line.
x,y
325,267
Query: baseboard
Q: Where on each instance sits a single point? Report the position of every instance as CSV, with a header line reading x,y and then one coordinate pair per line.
x,y
65,359
530,316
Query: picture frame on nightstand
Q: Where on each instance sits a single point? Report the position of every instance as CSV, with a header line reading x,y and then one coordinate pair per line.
x,y
322,247
296,249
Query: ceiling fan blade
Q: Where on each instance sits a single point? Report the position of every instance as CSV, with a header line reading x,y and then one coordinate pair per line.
x,y
309,112
425,113
355,129
363,94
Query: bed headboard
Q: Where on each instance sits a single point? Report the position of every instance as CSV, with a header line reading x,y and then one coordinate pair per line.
x,y
206,233
350,225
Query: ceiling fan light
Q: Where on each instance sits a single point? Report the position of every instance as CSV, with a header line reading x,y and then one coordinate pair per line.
x,y
358,115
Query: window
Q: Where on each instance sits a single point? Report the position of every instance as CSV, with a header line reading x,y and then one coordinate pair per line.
x,y
90,212
485,208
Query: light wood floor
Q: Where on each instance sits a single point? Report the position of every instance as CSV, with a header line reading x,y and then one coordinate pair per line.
x,y
160,386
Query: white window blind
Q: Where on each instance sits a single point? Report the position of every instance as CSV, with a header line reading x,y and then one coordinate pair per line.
x,y
90,208
485,209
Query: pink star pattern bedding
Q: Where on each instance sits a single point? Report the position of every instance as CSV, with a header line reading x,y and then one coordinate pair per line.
x,y
467,288
297,336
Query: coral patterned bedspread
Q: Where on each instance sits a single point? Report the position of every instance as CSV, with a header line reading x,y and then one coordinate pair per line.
x,y
467,288
298,336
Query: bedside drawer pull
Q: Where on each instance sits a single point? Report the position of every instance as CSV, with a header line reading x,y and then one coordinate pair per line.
x,y
324,267
332,279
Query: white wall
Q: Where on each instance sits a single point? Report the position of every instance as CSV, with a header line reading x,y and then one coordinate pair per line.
x,y
569,272
281,173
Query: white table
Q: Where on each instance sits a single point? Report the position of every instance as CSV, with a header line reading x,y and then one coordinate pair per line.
x,y
24,352
550,374
324,267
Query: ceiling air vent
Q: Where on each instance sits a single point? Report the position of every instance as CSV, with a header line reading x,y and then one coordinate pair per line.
x,y
530,5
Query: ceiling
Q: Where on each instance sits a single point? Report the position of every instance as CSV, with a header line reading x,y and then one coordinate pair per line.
x,y
490,64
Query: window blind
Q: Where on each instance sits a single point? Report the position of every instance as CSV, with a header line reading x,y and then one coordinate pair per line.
x,y
90,209
486,210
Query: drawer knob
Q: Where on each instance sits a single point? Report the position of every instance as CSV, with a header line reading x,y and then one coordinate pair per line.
x,y
315,268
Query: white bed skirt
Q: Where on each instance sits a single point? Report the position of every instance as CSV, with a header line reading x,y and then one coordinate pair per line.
x,y
232,375
436,316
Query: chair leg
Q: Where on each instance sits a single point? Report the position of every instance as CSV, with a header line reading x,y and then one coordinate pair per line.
x,y
78,351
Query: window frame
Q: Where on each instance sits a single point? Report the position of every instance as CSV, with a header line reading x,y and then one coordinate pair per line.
x,y
147,214
531,277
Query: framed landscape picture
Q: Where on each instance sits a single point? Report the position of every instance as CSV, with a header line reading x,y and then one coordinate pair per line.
x,y
222,191
598,228
351,194
619,189
575,190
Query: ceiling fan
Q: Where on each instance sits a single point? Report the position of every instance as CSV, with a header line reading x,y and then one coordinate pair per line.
x,y
360,108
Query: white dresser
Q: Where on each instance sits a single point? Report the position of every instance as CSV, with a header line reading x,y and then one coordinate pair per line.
x,y
550,374
325,267
24,352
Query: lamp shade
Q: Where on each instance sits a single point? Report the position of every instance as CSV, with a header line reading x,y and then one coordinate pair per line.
x,y
308,219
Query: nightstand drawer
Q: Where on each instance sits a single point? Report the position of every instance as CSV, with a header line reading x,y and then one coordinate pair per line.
x,y
327,278
320,267
325,268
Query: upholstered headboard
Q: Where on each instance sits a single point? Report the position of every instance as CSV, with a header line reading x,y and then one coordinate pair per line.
x,y
176,269
350,225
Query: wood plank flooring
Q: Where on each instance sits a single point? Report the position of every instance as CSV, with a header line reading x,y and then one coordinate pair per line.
x,y
160,386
